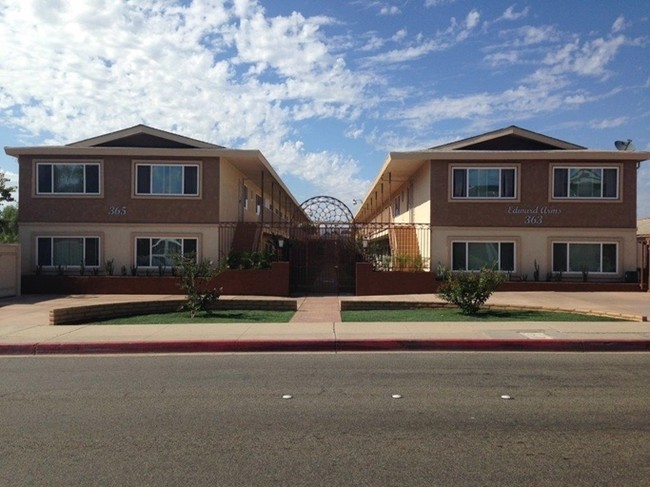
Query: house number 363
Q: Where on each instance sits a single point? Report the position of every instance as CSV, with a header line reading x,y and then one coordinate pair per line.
x,y
117,210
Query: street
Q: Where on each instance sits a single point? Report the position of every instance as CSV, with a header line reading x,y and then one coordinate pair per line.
x,y
570,419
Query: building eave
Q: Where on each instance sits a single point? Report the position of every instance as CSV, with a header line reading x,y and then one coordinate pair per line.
x,y
400,166
250,162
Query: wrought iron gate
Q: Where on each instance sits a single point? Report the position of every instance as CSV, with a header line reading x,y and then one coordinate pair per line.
x,y
324,253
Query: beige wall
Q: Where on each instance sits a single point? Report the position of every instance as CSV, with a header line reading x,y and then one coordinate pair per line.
x,y
9,270
535,244
229,196
117,241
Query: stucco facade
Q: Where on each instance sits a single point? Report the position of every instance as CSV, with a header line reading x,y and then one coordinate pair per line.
x,y
515,199
135,196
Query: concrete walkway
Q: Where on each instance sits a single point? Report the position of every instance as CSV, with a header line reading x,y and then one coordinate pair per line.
x,y
24,328
317,309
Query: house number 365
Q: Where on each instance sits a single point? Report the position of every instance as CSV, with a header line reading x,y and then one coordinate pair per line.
x,y
117,210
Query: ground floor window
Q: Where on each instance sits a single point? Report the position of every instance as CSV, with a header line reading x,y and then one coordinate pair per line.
x,y
67,251
473,256
584,257
163,251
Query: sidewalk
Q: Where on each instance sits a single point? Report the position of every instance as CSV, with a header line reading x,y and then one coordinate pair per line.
x,y
317,326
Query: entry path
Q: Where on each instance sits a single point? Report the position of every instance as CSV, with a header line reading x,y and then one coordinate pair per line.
x,y
318,309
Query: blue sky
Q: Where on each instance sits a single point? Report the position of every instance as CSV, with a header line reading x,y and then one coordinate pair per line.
x,y
326,89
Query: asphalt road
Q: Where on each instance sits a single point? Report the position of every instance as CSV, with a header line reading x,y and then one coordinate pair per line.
x,y
574,419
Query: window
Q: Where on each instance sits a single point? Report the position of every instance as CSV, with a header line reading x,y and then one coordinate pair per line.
x,y
396,206
481,183
585,182
155,252
245,196
67,178
473,256
259,202
67,251
167,179
581,257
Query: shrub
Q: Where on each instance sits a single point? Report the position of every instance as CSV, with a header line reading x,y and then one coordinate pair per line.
x,y
195,277
470,290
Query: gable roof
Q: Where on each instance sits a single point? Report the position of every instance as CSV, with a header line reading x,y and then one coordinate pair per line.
x,y
509,138
144,136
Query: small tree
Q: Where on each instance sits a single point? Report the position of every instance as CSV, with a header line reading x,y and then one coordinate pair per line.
x,y
5,189
9,224
195,277
470,290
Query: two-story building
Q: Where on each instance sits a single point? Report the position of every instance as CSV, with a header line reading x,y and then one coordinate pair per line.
x,y
138,197
516,200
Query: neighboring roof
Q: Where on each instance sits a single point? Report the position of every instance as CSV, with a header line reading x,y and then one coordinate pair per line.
x,y
643,227
509,138
144,136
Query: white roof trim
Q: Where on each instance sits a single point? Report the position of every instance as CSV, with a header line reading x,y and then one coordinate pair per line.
x,y
143,129
512,130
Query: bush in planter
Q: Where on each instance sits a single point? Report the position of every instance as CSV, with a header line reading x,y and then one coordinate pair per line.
x,y
195,277
470,290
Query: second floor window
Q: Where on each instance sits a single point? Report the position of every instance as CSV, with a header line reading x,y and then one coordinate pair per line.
x,y
482,183
585,182
67,178
167,179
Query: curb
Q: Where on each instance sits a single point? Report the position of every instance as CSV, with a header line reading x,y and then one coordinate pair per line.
x,y
459,345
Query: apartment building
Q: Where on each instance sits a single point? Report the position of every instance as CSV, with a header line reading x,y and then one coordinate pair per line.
x,y
139,196
522,202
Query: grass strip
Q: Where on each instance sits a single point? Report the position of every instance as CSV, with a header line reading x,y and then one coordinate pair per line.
x,y
218,316
454,314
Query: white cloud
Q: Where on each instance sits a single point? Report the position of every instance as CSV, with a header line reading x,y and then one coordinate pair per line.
x,y
437,3
511,14
608,123
389,10
620,24
529,35
399,35
441,41
214,70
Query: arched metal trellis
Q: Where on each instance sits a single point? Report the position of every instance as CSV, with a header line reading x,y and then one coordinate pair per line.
x,y
323,255
326,209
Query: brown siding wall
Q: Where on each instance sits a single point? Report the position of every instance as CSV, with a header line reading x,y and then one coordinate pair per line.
x,y
534,194
118,188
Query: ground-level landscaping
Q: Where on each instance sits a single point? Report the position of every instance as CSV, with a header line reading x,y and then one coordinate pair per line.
x,y
454,314
217,316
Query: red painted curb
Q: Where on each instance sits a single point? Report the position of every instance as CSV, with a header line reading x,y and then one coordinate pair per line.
x,y
18,349
185,347
496,345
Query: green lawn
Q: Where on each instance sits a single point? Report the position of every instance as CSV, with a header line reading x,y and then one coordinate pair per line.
x,y
217,316
454,314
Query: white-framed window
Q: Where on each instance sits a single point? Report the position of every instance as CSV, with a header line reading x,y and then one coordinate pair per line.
x,y
163,251
68,178
597,257
484,182
67,251
585,182
167,179
474,256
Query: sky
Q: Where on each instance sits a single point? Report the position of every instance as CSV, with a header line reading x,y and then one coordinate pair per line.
x,y
326,89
